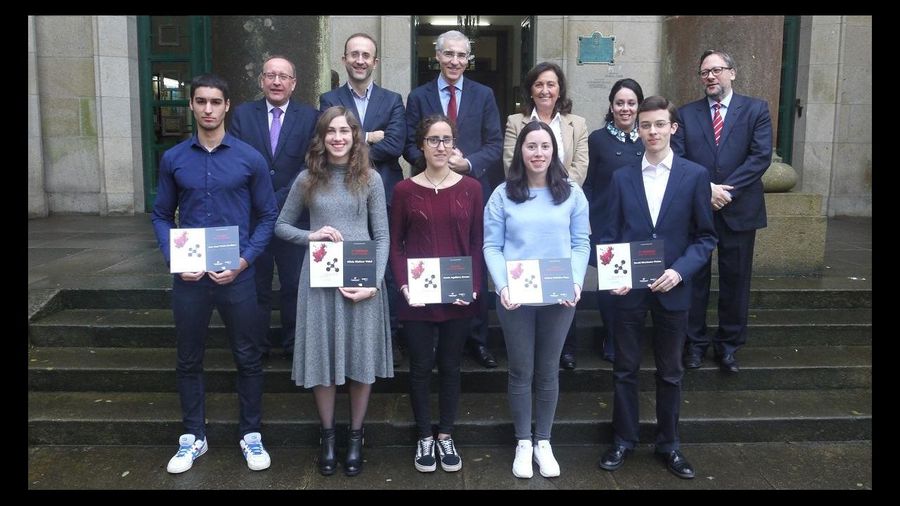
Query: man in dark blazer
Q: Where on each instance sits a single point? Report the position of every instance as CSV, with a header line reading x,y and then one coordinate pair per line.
x,y
381,113
666,197
294,127
730,135
479,148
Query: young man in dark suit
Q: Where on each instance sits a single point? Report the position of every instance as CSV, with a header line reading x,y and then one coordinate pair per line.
x,y
730,135
281,130
663,196
380,112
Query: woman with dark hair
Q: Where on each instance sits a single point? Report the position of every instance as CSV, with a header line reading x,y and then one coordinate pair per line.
x,y
343,334
545,99
537,213
615,145
436,213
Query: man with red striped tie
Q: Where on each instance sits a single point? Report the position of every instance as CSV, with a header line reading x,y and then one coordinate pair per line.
x,y
730,135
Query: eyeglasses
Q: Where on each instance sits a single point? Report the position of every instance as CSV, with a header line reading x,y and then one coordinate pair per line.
x,y
450,55
356,54
433,142
658,124
271,76
716,71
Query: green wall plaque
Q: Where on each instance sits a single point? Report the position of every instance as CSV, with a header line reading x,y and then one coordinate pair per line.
x,y
596,48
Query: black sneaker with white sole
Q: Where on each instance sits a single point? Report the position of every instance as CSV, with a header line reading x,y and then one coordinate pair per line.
x,y
450,459
425,461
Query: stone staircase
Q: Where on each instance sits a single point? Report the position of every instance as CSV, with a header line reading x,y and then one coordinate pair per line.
x,y
101,362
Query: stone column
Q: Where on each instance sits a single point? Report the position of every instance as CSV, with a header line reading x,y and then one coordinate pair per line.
x,y
794,241
37,197
241,43
753,41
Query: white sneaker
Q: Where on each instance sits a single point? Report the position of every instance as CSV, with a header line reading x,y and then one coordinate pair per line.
x,y
256,455
189,448
522,464
543,455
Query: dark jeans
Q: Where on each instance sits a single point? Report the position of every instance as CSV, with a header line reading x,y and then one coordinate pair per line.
x,y
668,339
420,346
192,304
288,257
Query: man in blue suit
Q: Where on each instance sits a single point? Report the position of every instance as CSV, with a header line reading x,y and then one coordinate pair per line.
x,y
479,148
730,135
663,197
380,112
281,130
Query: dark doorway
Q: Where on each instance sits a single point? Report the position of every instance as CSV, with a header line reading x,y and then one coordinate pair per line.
x,y
498,49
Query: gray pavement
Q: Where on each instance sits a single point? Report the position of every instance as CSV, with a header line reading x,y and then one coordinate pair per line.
x,y
121,252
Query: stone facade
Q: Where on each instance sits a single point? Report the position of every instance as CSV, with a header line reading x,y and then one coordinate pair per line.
x,y
84,137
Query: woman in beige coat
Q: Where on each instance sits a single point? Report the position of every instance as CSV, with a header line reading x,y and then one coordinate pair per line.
x,y
544,91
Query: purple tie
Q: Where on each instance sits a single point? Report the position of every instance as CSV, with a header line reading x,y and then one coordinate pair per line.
x,y
275,129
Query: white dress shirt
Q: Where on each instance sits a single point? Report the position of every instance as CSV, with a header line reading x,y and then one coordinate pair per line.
x,y
655,179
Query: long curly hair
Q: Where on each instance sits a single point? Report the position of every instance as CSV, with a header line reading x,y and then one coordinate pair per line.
x,y
357,178
517,180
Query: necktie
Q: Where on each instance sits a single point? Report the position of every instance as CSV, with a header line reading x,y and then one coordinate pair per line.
x,y
275,129
717,122
451,107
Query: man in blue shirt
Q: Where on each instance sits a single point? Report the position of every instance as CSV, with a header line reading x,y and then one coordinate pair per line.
x,y
214,179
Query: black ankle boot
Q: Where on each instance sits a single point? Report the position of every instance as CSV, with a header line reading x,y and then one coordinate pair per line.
x,y
354,462
327,458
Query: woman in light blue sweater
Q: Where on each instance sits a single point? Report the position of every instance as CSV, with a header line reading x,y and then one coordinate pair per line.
x,y
537,213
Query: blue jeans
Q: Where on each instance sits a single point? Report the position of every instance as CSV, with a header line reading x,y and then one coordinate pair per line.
x,y
192,304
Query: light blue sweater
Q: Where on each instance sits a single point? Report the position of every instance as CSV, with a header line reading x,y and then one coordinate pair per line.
x,y
535,229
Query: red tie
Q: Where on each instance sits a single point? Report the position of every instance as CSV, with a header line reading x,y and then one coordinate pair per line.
x,y
451,107
717,122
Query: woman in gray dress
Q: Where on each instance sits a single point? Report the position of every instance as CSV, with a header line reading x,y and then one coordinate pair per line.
x,y
343,334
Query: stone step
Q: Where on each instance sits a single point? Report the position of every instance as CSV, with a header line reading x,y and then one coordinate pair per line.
x,y
153,370
765,293
108,418
155,327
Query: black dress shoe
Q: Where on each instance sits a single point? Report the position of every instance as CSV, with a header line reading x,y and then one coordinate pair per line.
x,y
484,357
567,361
727,363
613,458
693,361
677,464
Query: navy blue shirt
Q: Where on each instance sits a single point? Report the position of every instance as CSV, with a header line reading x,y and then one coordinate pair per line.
x,y
223,187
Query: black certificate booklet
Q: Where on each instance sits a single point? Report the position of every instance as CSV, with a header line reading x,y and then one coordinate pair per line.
x,y
543,281
439,280
347,263
632,264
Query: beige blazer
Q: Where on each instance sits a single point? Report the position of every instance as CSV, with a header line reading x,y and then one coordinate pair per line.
x,y
575,143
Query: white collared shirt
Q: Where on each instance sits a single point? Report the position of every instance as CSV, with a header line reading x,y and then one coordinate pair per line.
x,y
656,177
555,125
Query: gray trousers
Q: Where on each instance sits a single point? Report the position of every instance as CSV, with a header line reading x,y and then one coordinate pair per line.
x,y
534,337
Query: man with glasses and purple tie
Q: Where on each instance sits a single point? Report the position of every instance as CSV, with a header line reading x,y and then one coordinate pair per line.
x,y
280,129
479,147
730,135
